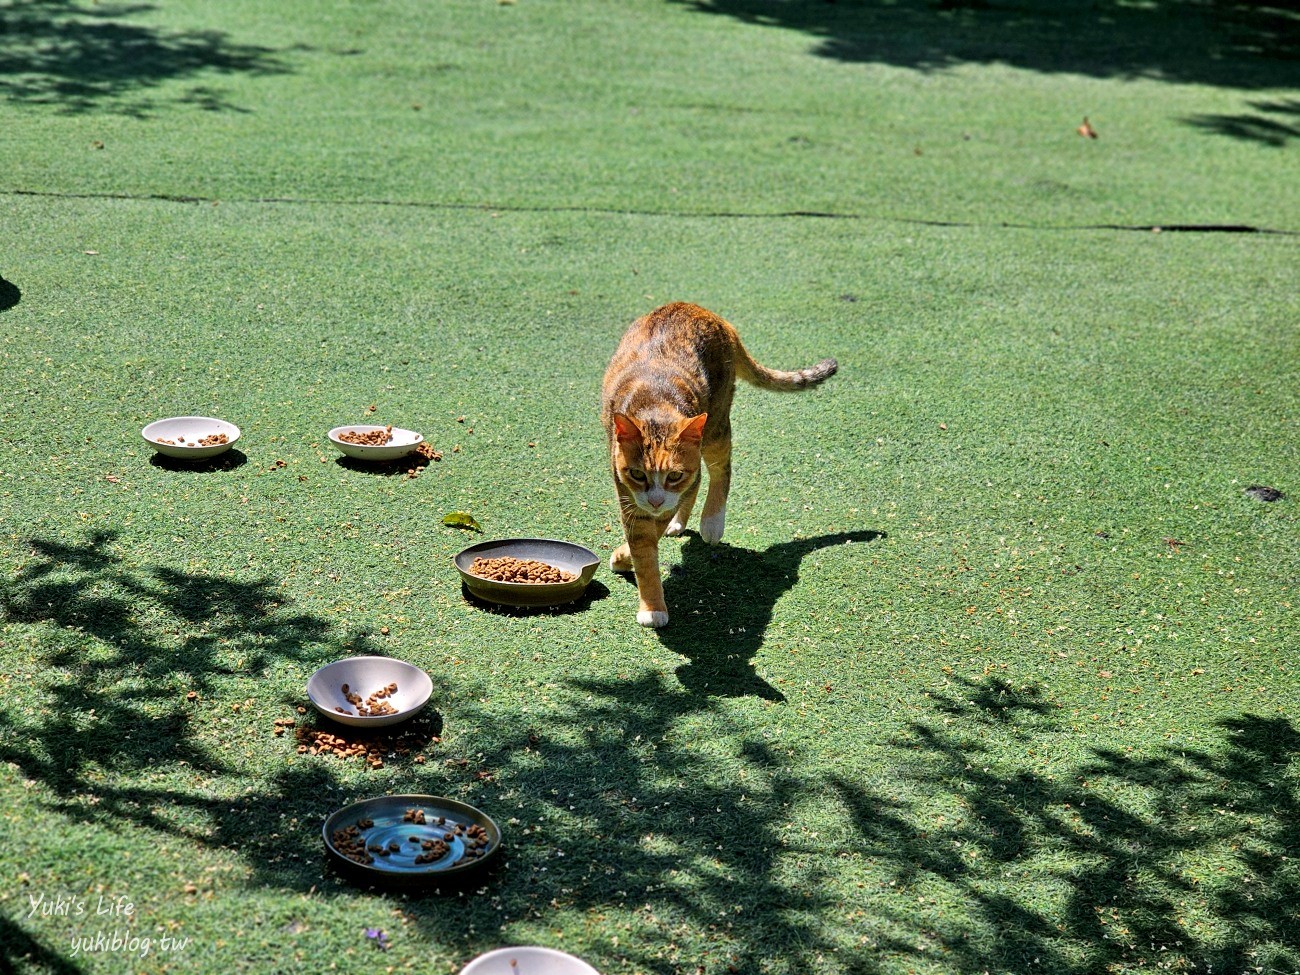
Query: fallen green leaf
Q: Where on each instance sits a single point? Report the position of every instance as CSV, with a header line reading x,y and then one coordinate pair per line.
x,y
461,519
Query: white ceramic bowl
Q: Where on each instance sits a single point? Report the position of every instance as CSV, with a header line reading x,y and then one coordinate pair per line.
x,y
401,442
183,433
365,676
527,961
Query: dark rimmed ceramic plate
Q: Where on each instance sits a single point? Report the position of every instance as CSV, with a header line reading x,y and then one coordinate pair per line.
x,y
570,557
391,824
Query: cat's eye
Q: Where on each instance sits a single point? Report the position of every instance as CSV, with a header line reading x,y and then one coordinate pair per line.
x,y
674,477
636,475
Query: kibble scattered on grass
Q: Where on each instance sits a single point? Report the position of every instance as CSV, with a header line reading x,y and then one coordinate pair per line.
x,y
425,452
371,749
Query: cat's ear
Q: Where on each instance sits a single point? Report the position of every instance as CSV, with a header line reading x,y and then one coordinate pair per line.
x,y
692,430
625,429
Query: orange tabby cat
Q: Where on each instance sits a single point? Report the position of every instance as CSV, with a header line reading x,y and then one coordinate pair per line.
x,y
666,406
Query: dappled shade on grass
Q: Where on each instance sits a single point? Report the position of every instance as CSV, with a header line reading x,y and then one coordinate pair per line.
x,y
1127,858
82,58
126,646
1229,43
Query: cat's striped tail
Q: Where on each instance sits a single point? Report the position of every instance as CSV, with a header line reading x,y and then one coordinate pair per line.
x,y
777,380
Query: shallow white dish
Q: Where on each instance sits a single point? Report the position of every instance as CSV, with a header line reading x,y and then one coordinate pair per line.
x,y
365,676
401,442
527,961
184,434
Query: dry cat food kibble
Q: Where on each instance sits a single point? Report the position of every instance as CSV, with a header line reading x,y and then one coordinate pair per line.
x,y
507,569
373,706
425,452
375,438
211,440
424,848
432,851
371,749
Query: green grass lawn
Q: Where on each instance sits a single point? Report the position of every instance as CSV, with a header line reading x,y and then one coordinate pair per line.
x,y
995,670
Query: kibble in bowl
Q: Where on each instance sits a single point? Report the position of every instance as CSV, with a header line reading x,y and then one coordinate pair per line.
x,y
190,437
374,441
369,692
527,571
508,569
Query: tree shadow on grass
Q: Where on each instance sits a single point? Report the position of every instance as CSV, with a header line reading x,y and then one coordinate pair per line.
x,y
1178,859
114,687
614,809
733,852
21,953
1270,123
599,805
720,599
80,57
673,851
1228,43
117,707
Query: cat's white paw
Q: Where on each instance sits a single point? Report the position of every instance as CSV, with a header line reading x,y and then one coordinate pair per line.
x,y
649,617
676,526
620,562
712,526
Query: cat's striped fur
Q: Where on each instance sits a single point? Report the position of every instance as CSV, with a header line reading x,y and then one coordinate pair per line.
x,y
666,407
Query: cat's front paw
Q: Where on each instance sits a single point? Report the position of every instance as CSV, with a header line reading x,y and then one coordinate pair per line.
x,y
712,526
652,617
620,560
676,526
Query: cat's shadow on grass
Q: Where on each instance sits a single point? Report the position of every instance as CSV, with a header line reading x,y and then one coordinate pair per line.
x,y
720,600
9,294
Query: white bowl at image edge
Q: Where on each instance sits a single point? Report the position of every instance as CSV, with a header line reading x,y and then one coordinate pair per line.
x,y
528,960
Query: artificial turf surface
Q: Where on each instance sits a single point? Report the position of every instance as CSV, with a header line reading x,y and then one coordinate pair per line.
x,y
995,670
